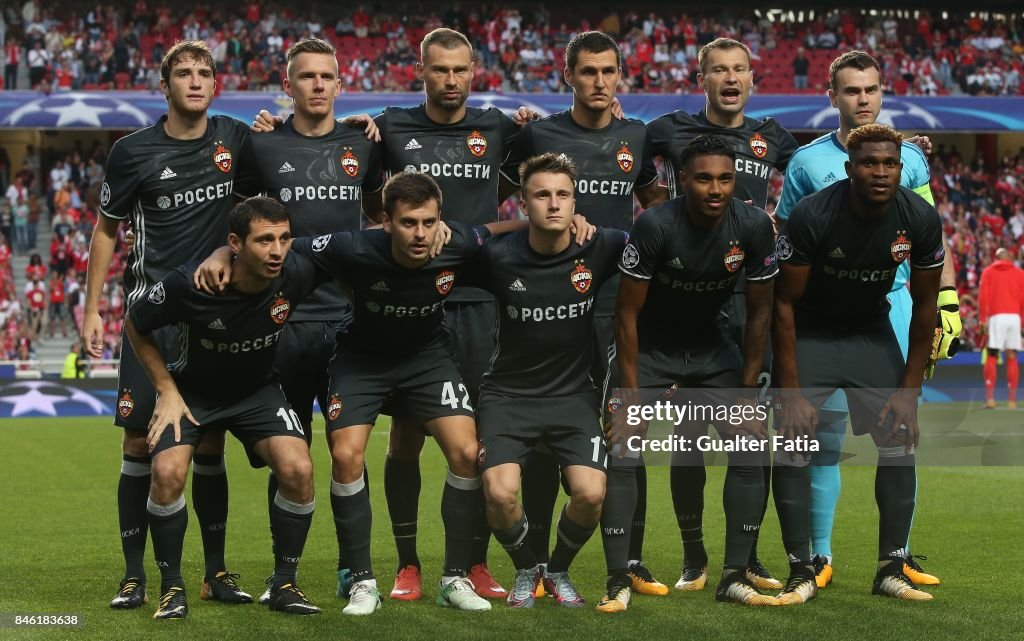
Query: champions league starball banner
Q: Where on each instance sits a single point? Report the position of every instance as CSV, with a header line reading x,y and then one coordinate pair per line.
x,y
136,109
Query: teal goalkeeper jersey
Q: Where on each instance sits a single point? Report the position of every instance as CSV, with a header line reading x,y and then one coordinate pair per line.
x,y
822,162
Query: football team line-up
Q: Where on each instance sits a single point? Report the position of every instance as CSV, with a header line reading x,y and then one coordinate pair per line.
x,y
517,344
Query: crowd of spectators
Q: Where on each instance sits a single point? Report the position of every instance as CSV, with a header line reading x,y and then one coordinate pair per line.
x,y
64,197
75,44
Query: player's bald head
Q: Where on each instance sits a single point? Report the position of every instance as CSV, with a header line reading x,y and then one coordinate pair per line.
x,y
1003,254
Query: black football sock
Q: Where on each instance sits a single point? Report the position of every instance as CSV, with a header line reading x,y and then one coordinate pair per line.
x,y
742,497
402,484
895,493
571,537
350,503
766,471
168,524
540,491
291,522
687,482
271,493
462,504
616,515
210,501
639,523
514,541
133,519
791,486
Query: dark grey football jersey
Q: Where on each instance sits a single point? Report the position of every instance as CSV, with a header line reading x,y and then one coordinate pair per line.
x,y
176,193
320,179
464,158
395,309
693,270
611,161
759,145
854,261
228,340
546,307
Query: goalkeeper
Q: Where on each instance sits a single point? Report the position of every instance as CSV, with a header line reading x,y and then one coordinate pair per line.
x,y
855,90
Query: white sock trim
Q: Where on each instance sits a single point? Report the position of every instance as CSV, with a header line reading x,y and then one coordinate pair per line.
x,y
460,483
131,468
348,489
166,510
293,507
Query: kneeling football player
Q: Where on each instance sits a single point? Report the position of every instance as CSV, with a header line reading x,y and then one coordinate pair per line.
x,y
839,254
538,391
683,262
225,379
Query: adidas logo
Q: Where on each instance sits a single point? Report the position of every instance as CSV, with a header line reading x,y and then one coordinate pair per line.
x,y
837,253
285,168
216,324
517,286
830,178
168,173
412,144
380,286
676,263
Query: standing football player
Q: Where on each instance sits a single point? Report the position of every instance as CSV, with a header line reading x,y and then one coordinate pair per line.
x,y
839,254
172,182
614,163
682,262
760,145
855,90
321,170
1000,305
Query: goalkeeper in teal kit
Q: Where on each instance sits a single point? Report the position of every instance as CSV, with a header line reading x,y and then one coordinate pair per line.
x,y
855,90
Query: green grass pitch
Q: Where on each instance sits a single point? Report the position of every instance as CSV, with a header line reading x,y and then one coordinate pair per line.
x,y
61,554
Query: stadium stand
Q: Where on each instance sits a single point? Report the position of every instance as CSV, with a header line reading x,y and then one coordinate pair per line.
x,y
79,45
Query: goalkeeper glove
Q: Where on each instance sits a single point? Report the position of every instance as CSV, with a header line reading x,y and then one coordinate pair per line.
x,y
949,322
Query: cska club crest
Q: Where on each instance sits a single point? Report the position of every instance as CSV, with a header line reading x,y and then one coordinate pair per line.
x,y
349,163
759,146
444,282
477,143
125,403
614,404
900,247
625,158
581,278
222,158
734,257
280,309
334,406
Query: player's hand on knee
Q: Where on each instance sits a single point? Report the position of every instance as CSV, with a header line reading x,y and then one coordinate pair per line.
x,y
214,273
265,122
797,417
899,415
444,234
583,230
170,408
750,425
366,122
626,423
